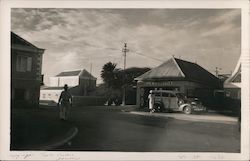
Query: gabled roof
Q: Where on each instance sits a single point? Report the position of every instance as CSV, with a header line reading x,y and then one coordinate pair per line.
x,y
169,69
234,81
86,74
81,73
180,69
19,41
69,73
195,72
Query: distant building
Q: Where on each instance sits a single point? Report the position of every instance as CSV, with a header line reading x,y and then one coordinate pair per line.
x,y
26,78
50,95
80,83
232,85
223,77
180,75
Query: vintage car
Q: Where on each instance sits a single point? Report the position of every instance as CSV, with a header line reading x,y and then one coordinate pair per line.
x,y
166,100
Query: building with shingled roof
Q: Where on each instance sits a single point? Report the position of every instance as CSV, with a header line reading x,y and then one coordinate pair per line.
x,y
80,83
26,77
176,74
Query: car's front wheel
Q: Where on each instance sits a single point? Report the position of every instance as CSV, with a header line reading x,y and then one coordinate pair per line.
x,y
187,110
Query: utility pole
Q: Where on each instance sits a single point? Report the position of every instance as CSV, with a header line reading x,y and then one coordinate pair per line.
x,y
217,71
124,50
90,72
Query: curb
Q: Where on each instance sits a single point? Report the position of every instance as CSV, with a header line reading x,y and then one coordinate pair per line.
x,y
61,141
232,122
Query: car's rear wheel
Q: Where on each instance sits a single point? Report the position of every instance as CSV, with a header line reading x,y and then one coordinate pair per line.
x,y
187,110
158,107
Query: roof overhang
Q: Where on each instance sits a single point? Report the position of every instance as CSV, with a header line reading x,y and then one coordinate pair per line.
x,y
24,48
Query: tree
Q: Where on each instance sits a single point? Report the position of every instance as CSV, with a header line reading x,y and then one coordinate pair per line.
x,y
132,73
107,73
115,78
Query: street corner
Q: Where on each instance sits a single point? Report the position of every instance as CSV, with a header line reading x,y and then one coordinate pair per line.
x,y
64,139
40,130
211,118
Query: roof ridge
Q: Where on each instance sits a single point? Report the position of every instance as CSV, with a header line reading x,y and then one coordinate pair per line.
x,y
25,41
178,66
236,71
87,73
185,61
72,70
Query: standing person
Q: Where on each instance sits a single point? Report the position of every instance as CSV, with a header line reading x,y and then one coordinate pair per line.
x,y
65,100
151,101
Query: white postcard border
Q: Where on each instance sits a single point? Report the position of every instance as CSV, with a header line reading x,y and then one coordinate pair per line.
x,y
6,6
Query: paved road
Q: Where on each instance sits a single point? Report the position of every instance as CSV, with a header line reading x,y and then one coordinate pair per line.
x,y
103,129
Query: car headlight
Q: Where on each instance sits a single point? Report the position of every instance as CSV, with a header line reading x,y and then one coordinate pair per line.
x,y
180,101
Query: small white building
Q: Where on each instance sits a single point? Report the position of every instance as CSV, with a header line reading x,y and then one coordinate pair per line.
x,y
80,83
50,94
72,78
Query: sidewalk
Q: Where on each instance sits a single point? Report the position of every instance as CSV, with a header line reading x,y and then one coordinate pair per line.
x,y
39,129
215,118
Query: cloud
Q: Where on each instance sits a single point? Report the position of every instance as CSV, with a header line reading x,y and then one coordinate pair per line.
x,y
228,16
75,37
224,23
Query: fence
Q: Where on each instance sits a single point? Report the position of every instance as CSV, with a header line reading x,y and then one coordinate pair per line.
x,y
88,101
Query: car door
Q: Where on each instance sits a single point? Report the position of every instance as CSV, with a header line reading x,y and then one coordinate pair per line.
x,y
157,97
166,100
173,101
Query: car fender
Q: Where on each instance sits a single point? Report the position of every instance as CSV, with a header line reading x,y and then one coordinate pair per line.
x,y
182,106
160,103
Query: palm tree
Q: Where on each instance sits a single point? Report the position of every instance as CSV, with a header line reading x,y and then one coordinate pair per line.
x,y
107,73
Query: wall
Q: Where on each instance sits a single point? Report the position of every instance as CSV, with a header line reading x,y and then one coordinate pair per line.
x,y
53,82
86,85
61,81
28,81
88,101
69,80
51,95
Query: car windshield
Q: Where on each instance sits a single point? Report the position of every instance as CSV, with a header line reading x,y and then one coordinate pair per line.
x,y
180,95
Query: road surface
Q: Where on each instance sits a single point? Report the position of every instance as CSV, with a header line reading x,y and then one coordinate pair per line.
x,y
109,129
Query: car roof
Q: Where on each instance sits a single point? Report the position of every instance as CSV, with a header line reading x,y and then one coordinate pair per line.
x,y
165,91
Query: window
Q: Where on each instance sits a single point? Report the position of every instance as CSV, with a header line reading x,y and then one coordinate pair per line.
x,y
165,94
23,63
171,95
180,95
157,94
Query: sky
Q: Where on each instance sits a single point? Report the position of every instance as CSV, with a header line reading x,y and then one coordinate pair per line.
x,y
81,38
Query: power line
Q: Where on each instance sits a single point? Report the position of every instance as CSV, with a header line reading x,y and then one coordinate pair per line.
x,y
135,52
147,56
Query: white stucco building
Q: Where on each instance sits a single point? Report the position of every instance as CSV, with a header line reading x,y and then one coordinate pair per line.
x,y
80,83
